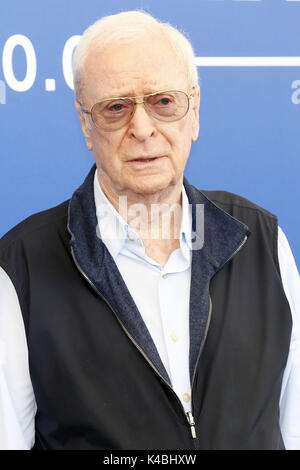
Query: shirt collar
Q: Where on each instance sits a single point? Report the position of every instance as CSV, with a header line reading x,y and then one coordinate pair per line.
x,y
114,230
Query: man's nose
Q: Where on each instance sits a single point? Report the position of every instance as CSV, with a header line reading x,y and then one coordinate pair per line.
x,y
141,124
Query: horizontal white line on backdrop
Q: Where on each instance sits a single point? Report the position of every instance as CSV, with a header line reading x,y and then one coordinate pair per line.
x,y
248,61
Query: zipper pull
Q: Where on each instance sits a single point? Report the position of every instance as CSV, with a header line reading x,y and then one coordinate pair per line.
x,y
191,421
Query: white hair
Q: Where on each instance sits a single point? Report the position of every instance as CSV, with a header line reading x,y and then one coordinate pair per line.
x,y
126,27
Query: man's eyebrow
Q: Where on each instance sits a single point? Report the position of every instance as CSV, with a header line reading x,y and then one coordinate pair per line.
x,y
119,94
116,95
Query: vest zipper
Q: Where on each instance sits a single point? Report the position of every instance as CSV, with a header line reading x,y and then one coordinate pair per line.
x,y
189,416
192,424
236,251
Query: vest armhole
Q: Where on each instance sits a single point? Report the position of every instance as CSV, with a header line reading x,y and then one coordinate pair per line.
x,y
275,243
19,293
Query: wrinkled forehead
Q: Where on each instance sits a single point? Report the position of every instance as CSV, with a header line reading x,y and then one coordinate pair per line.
x,y
129,69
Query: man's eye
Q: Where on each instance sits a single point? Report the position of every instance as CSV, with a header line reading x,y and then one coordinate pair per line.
x,y
116,107
164,101
161,101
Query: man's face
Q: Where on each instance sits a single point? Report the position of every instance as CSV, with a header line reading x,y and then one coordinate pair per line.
x,y
134,70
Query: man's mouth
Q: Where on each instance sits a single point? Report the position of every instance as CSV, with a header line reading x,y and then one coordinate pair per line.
x,y
145,159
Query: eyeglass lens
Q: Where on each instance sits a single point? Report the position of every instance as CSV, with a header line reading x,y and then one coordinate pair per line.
x,y
167,106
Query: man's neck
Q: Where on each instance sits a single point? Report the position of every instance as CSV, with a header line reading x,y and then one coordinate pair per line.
x,y
155,217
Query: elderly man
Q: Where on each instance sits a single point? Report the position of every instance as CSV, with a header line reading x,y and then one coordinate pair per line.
x,y
127,324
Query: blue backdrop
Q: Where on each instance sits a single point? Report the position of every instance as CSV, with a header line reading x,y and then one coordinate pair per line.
x,y
249,115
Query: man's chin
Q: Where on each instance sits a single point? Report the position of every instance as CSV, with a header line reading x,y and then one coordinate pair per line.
x,y
151,184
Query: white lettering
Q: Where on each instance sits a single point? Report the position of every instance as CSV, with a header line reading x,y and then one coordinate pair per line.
x,y
67,59
114,460
7,63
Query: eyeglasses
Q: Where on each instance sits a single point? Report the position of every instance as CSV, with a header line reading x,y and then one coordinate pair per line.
x,y
110,114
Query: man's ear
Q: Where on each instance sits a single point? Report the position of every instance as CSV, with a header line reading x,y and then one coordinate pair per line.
x,y
84,126
196,107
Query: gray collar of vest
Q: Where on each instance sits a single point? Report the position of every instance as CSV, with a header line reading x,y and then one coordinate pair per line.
x,y
214,243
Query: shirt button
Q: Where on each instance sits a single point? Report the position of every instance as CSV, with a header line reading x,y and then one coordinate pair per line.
x,y
131,237
186,397
164,276
174,337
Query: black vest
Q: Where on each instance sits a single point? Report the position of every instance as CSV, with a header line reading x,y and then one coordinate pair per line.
x,y
98,380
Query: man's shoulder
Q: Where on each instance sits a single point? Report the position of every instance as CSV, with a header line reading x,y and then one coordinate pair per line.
x,y
231,202
37,225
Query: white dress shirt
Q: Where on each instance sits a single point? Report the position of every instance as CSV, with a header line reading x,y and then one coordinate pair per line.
x,y
166,317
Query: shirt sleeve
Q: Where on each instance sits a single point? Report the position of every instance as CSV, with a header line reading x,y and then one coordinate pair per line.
x,y
290,392
17,401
